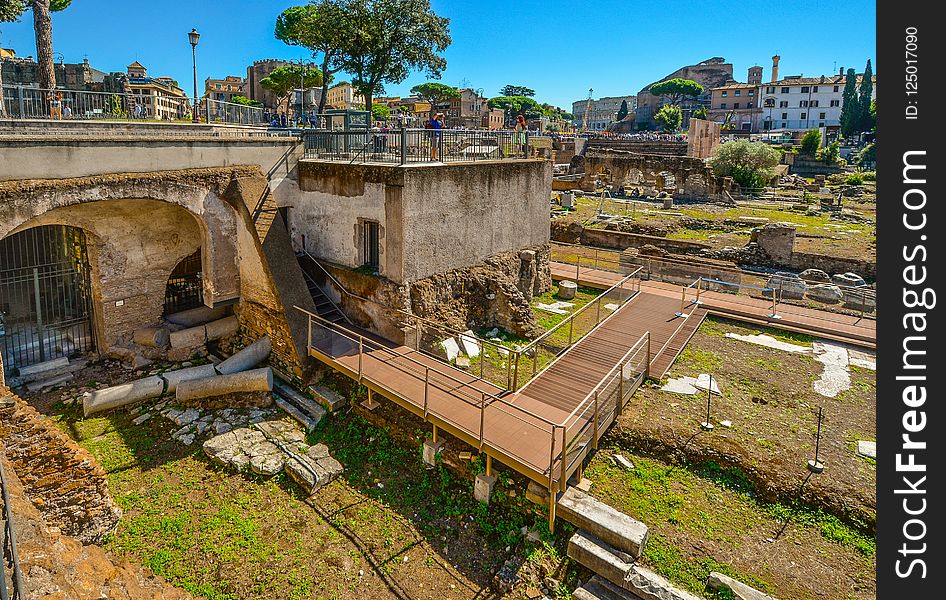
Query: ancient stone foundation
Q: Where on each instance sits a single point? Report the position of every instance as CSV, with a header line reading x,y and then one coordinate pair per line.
x,y
63,480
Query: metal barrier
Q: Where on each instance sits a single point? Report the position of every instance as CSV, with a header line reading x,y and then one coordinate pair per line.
x,y
10,559
406,146
218,111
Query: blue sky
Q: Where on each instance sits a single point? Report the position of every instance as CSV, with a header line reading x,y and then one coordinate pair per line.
x,y
559,48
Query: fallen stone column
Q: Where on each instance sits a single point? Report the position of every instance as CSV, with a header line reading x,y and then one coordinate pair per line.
x,y
155,337
222,328
120,395
257,380
248,357
197,316
175,378
189,338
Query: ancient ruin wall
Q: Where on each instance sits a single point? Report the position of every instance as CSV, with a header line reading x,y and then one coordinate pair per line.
x,y
60,477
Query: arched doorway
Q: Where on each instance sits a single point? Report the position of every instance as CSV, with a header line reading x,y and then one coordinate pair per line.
x,y
185,288
45,296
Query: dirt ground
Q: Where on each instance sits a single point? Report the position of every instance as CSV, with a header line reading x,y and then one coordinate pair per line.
x,y
768,396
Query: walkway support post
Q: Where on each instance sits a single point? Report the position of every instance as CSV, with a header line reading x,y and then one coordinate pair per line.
x,y
361,353
426,387
595,444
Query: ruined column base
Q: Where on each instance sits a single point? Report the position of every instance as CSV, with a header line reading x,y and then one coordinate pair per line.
x,y
431,449
483,487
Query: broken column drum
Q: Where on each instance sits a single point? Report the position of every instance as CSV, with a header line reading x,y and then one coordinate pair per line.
x,y
567,289
248,357
119,395
257,380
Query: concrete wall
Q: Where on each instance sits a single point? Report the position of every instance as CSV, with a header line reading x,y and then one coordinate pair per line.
x,y
432,218
61,156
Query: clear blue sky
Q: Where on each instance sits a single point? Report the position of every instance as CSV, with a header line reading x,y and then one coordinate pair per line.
x,y
559,48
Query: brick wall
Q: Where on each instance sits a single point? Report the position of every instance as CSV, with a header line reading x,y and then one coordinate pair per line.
x,y
62,479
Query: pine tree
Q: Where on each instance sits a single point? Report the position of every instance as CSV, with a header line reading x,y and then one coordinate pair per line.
x,y
622,112
865,121
850,105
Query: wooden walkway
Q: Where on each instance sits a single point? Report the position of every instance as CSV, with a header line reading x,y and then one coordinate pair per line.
x,y
846,328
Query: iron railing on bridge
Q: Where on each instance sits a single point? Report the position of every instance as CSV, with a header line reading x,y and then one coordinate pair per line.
x,y
405,146
11,586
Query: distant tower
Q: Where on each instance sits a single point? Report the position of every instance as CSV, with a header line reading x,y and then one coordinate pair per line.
x,y
775,60
755,75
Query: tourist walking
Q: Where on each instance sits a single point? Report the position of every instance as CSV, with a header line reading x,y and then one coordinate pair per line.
x,y
435,135
521,135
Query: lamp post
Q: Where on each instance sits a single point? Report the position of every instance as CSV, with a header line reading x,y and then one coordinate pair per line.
x,y
194,37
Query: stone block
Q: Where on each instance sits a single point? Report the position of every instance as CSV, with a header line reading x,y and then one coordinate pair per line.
x,y
431,449
595,555
330,399
648,585
537,493
826,293
740,591
483,487
154,337
602,521
247,358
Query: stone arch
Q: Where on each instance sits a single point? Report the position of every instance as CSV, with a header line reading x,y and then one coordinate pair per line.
x,y
133,245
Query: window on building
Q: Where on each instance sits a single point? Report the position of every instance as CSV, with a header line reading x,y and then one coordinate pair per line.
x,y
722,105
735,105
805,89
769,103
371,244
784,116
814,89
835,103
738,92
784,124
770,89
784,90
752,92
836,88
804,116
724,93
802,103
783,104
821,124
822,115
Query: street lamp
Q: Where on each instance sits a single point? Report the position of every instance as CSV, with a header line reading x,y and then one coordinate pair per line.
x,y
193,37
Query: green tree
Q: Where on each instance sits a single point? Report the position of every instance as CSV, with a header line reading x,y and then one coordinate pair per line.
x,y
517,105
849,105
389,39
750,164
622,112
832,154
865,121
380,112
811,142
435,93
669,118
283,80
322,27
244,101
12,10
676,89
700,113
517,90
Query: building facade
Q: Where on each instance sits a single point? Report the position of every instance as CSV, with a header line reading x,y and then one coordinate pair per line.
x,y
343,96
154,97
255,73
224,89
70,76
604,111
494,119
466,111
798,103
736,105
710,73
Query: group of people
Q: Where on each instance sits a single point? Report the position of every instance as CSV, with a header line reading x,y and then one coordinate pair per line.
x,y
57,108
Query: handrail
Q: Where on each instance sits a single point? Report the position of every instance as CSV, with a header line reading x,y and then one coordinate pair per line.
x,y
258,209
9,547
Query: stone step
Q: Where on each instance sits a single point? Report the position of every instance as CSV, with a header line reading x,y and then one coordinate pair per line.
x,y
599,588
330,399
602,521
294,412
307,406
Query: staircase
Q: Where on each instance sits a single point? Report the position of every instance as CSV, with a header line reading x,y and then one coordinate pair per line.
x,y
324,307
266,208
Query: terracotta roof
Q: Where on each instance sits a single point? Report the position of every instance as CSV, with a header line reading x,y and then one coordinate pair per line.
x,y
136,64
832,80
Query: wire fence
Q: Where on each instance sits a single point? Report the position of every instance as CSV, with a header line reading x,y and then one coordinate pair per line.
x,y
405,146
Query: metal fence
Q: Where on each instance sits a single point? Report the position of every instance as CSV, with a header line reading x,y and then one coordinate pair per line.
x,y
405,146
218,111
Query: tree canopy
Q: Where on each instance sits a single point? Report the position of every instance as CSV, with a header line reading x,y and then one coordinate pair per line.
x,y
517,90
865,119
622,112
434,93
811,142
517,105
244,101
677,89
390,38
380,112
849,105
12,10
322,27
283,80
669,118
750,164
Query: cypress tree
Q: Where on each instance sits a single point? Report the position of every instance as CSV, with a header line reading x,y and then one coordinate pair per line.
x,y
865,121
622,112
850,105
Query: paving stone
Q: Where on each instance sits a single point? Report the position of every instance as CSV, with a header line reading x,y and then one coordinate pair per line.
x,y
267,464
680,386
141,419
865,448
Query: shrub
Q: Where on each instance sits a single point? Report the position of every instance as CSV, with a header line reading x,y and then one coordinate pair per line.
x,y
869,175
811,142
750,164
854,179
669,118
831,154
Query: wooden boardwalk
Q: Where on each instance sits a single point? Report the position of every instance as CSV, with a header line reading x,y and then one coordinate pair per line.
x,y
846,328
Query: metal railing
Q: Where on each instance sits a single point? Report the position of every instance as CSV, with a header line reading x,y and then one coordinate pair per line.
x,y
568,440
404,146
218,111
10,559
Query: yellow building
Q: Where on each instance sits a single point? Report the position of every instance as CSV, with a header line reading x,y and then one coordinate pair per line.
x,y
154,97
343,97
